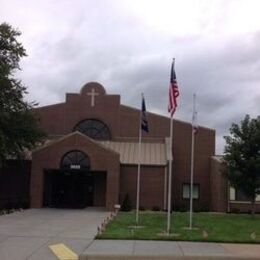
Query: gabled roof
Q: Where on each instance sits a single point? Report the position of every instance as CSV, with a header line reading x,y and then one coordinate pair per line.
x,y
51,142
153,154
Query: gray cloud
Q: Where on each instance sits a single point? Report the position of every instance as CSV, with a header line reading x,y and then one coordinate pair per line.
x,y
71,43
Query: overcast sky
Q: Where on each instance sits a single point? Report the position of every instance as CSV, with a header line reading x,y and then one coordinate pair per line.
x,y
128,45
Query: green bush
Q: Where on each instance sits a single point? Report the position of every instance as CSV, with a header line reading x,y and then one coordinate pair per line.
x,y
204,208
180,208
142,208
126,205
156,208
235,210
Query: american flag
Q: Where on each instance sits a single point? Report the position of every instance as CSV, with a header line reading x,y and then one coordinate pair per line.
x,y
173,91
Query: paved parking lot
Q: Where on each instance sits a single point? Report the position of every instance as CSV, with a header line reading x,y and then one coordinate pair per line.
x,y
27,234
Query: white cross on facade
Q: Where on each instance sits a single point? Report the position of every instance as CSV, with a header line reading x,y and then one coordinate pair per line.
x,y
92,94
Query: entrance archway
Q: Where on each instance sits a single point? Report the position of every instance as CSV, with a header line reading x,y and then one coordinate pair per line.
x,y
75,160
72,186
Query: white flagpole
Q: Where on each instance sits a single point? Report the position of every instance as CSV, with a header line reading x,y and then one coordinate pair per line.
x,y
138,170
173,94
165,189
170,182
192,158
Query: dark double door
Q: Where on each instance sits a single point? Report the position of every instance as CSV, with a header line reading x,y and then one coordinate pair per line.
x,y
68,189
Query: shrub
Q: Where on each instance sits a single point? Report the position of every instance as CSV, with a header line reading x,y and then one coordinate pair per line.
x,y
141,208
235,210
126,205
180,208
204,208
196,209
156,208
201,208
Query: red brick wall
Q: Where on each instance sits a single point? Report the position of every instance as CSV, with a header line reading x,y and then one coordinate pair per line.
x,y
244,207
218,187
123,123
204,147
60,119
100,160
99,189
151,185
15,184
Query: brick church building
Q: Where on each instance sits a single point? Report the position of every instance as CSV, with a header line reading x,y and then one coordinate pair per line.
x,y
91,158
92,155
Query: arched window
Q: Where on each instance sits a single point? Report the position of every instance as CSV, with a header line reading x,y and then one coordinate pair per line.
x,y
75,160
94,129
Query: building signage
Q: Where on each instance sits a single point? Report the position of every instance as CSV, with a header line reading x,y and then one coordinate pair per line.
x,y
75,166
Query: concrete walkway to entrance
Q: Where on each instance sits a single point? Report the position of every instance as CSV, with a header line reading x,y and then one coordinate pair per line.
x,y
27,234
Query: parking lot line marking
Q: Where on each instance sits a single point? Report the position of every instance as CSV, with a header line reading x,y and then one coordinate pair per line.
x,y
62,252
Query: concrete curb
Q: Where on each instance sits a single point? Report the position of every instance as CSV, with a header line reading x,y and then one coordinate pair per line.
x,y
158,257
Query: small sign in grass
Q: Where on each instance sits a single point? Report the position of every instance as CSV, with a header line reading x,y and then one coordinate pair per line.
x,y
213,227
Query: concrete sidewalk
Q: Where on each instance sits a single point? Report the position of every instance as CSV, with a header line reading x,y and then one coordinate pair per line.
x,y
144,250
27,235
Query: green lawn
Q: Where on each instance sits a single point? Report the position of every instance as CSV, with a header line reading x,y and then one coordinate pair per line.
x,y
215,227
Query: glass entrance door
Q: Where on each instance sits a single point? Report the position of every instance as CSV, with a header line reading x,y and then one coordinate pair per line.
x,y
68,189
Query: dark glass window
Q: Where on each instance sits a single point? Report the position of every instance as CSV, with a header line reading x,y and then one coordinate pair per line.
x,y
240,195
186,191
75,160
94,129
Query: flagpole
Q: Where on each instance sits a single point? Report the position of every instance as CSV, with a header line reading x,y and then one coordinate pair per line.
x,y
138,170
173,94
165,189
170,181
192,159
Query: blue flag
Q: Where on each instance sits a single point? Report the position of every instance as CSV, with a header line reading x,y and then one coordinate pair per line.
x,y
144,122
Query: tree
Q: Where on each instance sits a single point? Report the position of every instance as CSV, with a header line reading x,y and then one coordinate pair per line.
x,y
242,158
19,128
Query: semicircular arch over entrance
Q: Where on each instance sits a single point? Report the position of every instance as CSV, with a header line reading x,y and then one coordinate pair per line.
x,y
75,160
94,129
